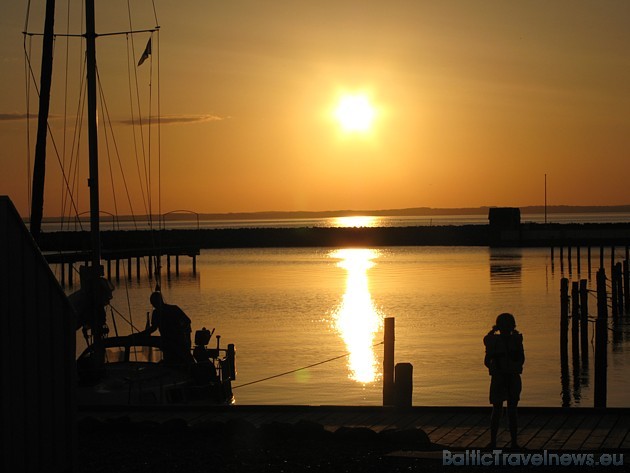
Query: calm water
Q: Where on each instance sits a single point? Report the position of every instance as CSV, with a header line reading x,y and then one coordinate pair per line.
x,y
289,308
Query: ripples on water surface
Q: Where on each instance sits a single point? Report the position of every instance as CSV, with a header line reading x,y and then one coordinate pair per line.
x,y
289,308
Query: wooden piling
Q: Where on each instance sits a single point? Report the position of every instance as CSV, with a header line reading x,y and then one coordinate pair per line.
x,y
168,266
569,259
619,282
138,268
70,275
109,269
579,261
601,342
176,265
626,286
150,268
584,320
388,362
129,268
117,269
613,289
601,257
564,321
562,259
194,269
63,274
575,319
403,382
588,252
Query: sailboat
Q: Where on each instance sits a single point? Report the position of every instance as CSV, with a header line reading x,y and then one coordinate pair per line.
x,y
122,369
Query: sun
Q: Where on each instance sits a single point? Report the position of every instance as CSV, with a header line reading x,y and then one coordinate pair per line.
x,y
355,113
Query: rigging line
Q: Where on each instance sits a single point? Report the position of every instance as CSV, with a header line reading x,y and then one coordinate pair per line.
x,y
28,15
130,60
77,128
155,14
65,104
99,35
299,369
150,119
122,172
50,131
107,120
143,148
130,322
159,127
28,115
76,143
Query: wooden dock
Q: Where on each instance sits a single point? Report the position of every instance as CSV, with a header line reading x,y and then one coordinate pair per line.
x,y
456,428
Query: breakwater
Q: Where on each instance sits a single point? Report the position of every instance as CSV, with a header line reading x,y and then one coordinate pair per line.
x,y
526,235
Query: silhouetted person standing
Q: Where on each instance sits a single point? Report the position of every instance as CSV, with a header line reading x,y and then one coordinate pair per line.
x,y
174,326
505,357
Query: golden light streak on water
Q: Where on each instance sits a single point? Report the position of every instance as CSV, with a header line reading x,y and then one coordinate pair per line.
x,y
356,221
357,319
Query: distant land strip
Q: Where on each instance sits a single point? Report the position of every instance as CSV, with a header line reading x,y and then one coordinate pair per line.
x,y
184,214
594,234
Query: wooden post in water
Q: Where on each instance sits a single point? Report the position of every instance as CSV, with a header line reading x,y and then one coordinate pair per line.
x,y
588,252
619,279
403,382
601,257
579,260
601,341
138,268
562,259
150,267
626,286
177,265
70,271
614,296
569,259
575,319
584,320
194,264
168,265
117,269
129,268
388,362
564,321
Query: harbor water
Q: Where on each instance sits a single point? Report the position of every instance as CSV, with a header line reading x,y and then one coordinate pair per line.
x,y
311,320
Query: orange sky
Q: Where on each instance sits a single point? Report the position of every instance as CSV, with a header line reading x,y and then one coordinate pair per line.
x,y
475,102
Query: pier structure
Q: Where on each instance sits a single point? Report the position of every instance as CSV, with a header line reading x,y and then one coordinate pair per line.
x,y
112,261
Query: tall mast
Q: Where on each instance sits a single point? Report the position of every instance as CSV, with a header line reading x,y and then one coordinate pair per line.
x,y
90,36
39,168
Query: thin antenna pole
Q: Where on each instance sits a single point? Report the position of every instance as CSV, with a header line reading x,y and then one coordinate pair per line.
x,y
545,198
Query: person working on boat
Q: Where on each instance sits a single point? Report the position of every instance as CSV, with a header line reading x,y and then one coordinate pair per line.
x,y
174,326
504,359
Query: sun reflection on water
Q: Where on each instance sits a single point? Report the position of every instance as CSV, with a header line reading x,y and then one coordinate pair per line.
x,y
357,319
356,221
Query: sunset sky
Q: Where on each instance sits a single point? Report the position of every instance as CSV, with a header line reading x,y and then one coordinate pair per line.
x,y
470,103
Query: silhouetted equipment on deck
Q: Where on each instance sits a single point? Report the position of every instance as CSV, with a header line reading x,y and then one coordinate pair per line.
x,y
37,349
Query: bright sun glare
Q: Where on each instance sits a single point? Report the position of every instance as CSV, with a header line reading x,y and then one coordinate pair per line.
x,y
355,113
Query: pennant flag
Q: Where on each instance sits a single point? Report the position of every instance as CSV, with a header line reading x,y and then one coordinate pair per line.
x,y
145,54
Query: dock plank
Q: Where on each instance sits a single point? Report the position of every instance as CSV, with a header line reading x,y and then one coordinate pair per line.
x,y
456,427
597,436
617,433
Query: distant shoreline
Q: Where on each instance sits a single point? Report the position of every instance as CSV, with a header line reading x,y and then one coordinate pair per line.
x,y
184,214
526,235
